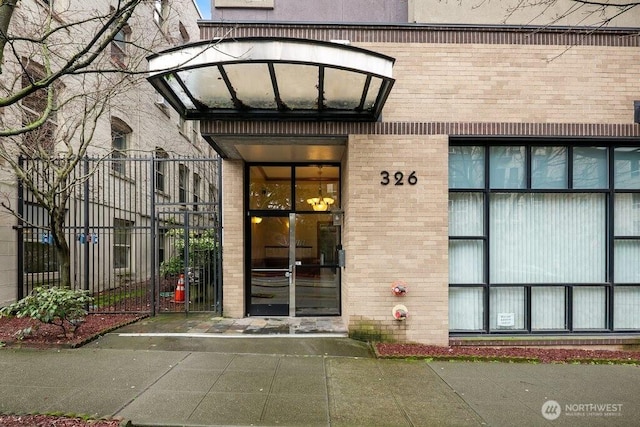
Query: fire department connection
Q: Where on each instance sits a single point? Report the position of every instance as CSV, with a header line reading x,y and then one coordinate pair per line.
x,y
399,311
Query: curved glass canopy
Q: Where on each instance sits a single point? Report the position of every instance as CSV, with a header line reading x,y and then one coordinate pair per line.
x,y
273,79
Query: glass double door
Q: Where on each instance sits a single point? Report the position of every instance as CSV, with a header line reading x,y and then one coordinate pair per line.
x,y
294,265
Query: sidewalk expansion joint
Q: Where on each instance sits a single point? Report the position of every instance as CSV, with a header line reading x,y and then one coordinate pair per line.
x,y
240,335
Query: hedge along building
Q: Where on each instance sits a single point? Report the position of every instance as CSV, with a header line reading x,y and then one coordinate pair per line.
x,y
492,170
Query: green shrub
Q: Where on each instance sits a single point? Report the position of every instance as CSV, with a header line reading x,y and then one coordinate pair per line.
x,y
57,306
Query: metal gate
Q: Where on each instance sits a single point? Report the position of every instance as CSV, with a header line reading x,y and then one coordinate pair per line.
x,y
135,228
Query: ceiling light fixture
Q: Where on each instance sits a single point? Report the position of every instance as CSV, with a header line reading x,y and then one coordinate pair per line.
x,y
320,203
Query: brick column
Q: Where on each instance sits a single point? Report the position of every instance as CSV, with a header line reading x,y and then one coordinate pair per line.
x,y
233,239
396,232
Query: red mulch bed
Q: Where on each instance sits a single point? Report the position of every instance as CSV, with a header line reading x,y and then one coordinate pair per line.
x,y
50,336
53,421
507,354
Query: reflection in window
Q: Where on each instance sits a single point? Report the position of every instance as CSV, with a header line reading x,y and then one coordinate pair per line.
x,y
549,167
627,167
466,167
270,187
590,167
507,167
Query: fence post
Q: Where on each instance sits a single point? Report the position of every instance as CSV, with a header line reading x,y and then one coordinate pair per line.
x,y
219,279
185,230
85,247
20,232
154,240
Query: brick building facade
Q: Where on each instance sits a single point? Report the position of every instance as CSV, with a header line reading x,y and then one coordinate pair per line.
x,y
487,126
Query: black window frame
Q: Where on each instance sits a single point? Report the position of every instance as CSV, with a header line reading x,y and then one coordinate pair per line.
x,y
609,192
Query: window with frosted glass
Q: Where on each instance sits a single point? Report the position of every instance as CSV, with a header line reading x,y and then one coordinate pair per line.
x,y
466,167
507,167
466,256
548,307
466,261
547,238
626,307
466,309
626,247
566,259
466,214
506,310
589,307
590,168
549,167
627,215
626,254
626,168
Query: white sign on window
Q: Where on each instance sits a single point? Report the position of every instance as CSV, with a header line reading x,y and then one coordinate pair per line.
x,y
506,320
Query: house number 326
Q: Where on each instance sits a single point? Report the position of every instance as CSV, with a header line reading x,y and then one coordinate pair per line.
x,y
398,178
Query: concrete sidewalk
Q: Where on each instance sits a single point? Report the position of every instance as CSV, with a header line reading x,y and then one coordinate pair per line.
x,y
294,381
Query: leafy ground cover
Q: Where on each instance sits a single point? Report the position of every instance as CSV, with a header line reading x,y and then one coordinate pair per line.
x,y
27,332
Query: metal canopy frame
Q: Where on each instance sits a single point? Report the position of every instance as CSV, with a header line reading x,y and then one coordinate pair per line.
x,y
273,79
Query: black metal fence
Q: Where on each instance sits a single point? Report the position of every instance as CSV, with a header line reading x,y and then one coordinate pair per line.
x,y
135,228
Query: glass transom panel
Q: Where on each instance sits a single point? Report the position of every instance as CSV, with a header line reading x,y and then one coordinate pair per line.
x,y
252,83
173,84
304,94
372,93
211,88
343,89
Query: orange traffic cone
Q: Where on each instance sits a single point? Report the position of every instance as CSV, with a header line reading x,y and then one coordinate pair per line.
x,y
179,294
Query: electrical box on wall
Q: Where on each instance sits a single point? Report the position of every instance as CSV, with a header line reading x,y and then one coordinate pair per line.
x,y
341,257
337,218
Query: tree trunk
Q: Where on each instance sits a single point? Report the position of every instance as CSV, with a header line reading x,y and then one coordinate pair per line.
x,y
6,12
62,246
